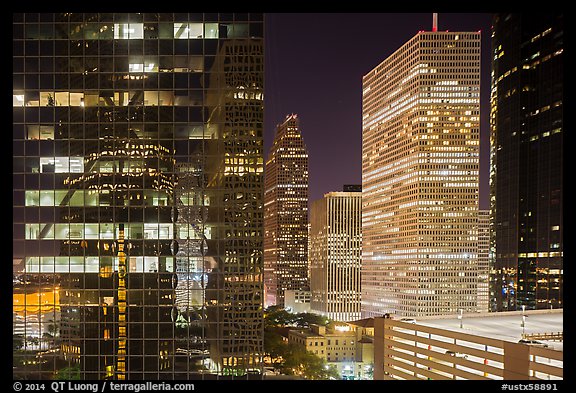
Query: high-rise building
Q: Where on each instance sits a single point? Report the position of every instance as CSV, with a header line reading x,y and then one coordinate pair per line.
x,y
420,157
335,255
286,213
483,260
526,161
138,182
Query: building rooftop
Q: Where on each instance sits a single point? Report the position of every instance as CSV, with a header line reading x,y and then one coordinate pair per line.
x,y
365,323
505,326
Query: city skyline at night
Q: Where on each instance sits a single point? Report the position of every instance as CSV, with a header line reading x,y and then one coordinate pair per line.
x,y
315,64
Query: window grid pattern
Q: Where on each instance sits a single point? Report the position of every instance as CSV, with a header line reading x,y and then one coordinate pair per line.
x,y
420,157
125,123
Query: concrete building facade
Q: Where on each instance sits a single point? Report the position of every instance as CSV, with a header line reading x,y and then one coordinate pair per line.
x,y
420,162
335,255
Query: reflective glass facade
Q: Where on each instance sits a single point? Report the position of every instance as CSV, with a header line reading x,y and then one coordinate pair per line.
x,y
526,161
138,183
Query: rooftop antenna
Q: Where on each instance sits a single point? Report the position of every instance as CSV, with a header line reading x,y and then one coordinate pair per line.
x,y
435,21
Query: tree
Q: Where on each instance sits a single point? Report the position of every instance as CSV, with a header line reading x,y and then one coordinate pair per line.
x,y
370,371
53,329
68,373
17,342
275,347
293,359
306,319
300,362
279,317
33,340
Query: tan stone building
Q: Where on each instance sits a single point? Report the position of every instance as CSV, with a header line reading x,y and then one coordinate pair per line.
x,y
343,345
335,255
420,162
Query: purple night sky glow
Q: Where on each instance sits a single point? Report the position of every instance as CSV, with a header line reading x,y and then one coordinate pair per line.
x,y
314,68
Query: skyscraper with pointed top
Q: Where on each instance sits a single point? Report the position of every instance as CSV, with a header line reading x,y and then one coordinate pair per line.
x,y
286,213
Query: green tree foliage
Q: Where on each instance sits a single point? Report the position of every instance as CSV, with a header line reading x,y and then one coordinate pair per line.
x,y
68,373
274,345
300,362
292,359
276,316
306,319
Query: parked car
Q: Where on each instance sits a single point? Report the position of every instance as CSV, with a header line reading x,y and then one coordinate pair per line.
x,y
408,320
535,343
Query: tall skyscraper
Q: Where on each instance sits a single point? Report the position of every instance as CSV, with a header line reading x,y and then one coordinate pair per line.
x,y
286,213
335,255
483,260
420,157
526,161
138,175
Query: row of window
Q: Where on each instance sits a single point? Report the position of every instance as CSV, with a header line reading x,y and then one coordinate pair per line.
x,y
30,17
135,30
135,97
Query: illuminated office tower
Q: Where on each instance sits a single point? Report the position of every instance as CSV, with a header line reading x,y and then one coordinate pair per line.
x,y
526,161
286,213
138,194
420,157
335,255
483,260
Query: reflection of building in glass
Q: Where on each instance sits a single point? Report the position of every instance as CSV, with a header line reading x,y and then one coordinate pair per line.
x,y
420,158
234,167
526,161
107,325
335,255
191,232
122,190
286,213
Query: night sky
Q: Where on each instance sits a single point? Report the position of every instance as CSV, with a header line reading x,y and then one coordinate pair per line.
x,y
314,68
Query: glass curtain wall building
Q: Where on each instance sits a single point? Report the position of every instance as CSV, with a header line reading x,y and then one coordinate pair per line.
x,y
138,183
526,186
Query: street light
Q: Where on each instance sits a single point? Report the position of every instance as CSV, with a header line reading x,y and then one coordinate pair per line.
x,y
523,320
460,311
